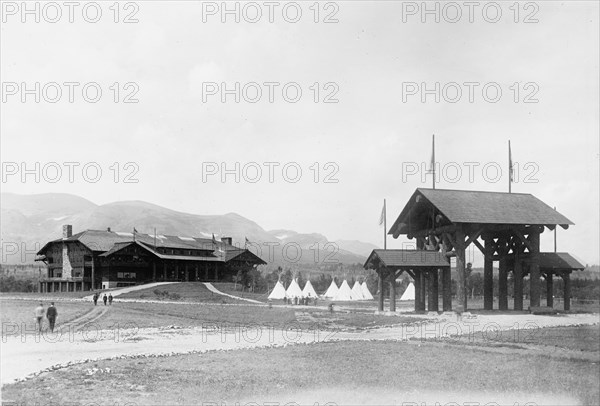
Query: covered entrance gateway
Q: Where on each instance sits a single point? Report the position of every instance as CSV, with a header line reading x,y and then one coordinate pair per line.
x,y
505,227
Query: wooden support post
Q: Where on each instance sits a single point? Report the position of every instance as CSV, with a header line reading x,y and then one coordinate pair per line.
x,y
417,279
461,291
549,290
392,276
423,290
447,289
518,282
187,272
503,282
567,292
488,274
534,273
380,272
154,270
433,305
164,270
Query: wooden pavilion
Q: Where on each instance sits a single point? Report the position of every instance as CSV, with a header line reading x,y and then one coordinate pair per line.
x,y
509,227
559,264
423,266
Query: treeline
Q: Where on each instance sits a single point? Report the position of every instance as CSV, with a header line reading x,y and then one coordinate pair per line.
x,y
263,282
581,288
257,282
12,284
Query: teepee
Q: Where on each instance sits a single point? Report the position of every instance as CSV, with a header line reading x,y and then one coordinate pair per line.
x,y
293,290
344,292
357,292
278,291
365,291
409,293
308,290
331,291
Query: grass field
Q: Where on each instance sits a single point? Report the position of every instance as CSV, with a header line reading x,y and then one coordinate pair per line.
x,y
186,292
143,315
21,313
186,315
582,338
344,372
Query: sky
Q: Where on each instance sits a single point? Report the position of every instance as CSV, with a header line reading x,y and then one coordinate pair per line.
x,y
304,116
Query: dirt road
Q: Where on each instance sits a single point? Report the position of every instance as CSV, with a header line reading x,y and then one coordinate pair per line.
x,y
28,354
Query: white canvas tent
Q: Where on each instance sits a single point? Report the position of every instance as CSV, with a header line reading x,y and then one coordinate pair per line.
x,y
278,291
357,292
308,290
409,293
365,291
293,290
331,291
344,292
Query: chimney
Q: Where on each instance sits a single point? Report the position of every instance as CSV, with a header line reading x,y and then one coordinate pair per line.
x,y
227,240
67,230
108,229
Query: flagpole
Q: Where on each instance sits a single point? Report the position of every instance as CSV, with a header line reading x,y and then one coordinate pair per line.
x,y
555,228
509,169
384,226
433,158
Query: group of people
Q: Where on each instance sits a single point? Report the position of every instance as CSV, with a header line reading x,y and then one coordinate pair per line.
x,y
105,298
51,313
299,300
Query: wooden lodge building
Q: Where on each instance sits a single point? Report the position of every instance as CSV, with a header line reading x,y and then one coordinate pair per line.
x,y
94,259
505,227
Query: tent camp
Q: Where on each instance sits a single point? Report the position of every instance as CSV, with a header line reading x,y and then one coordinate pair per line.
x,y
344,292
409,293
331,291
278,291
308,290
293,290
365,291
357,293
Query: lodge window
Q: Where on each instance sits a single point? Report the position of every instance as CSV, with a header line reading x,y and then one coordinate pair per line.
x,y
87,258
126,275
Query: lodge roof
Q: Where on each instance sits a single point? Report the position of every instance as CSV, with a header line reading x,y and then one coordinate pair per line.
x,y
463,206
406,259
108,242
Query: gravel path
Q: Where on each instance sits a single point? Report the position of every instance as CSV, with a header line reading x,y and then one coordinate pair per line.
x,y
218,292
132,289
28,355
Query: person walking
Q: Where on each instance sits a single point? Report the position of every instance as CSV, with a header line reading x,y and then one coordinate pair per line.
x,y
51,314
39,316
104,299
110,299
95,298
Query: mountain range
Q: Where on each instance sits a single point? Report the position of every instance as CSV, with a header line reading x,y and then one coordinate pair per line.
x,y
29,221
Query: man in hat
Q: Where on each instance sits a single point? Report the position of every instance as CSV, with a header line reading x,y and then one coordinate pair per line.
x,y
51,314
